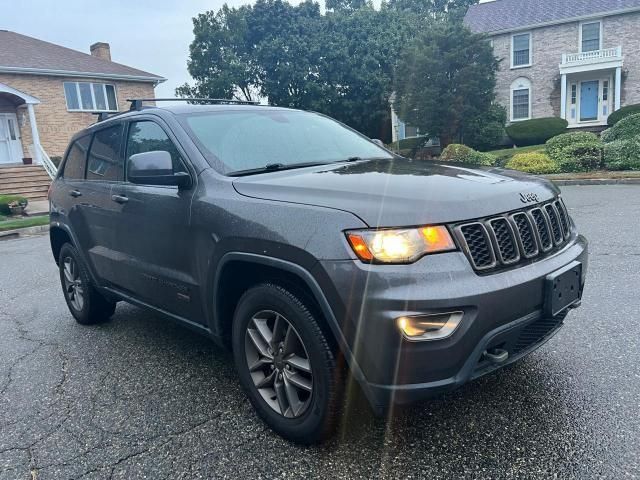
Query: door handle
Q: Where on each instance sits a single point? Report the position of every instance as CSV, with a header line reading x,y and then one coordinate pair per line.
x,y
75,193
119,198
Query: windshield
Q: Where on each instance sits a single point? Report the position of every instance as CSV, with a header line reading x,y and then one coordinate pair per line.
x,y
235,141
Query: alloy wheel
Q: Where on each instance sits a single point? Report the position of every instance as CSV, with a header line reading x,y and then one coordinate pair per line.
x,y
279,364
73,283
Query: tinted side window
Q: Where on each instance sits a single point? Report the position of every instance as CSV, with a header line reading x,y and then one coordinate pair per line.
x,y
147,136
76,160
105,162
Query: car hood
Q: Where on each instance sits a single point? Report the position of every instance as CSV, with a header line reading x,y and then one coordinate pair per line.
x,y
401,192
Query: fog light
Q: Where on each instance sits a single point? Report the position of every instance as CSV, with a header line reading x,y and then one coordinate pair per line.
x,y
429,327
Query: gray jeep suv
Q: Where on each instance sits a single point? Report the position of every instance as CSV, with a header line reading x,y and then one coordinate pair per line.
x,y
312,252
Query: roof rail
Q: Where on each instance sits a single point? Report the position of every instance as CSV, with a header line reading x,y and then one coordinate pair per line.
x,y
136,103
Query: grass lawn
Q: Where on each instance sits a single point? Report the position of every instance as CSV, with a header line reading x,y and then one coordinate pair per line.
x,y
9,223
505,154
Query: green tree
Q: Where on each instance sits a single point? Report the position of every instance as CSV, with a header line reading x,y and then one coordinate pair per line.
x,y
445,80
221,60
486,131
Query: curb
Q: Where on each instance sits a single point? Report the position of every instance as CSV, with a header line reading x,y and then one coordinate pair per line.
x,y
596,181
18,232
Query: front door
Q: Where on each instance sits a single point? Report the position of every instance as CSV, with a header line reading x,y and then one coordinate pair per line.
x,y
154,235
589,92
10,144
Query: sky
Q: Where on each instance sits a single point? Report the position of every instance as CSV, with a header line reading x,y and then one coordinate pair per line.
x,y
151,35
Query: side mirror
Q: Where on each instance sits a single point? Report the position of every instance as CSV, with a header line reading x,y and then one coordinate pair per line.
x,y
378,142
155,168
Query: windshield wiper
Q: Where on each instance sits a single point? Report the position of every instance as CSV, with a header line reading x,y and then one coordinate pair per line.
x,y
273,167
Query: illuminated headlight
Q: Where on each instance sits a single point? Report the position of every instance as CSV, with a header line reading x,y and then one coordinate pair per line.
x,y
429,327
401,245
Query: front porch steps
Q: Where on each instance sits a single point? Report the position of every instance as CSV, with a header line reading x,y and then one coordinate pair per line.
x,y
30,181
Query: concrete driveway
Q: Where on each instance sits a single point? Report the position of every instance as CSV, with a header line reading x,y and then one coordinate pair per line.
x,y
140,397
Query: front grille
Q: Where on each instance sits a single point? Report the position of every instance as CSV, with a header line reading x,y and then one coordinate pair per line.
x,y
536,332
498,242
478,245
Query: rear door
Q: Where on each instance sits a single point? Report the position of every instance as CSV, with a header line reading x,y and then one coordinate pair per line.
x,y
100,215
154,230
66,197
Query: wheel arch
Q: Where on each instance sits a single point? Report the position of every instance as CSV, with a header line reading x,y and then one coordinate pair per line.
x,y
58,236
300,280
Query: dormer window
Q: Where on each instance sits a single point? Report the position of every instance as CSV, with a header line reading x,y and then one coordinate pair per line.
x,y
521,50
591,36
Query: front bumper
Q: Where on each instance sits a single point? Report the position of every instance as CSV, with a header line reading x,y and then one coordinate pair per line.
x,y
500,310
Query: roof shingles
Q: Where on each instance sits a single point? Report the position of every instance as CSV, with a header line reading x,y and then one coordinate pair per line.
x,y
505,15
22,52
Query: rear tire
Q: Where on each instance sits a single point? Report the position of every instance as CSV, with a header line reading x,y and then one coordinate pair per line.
x,y
85,303
286,365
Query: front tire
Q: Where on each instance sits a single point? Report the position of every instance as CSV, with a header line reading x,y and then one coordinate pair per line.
x,y
286,364
85,303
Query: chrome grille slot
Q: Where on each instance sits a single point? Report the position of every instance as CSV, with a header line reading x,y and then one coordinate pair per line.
x,y
478,245
562,215
556,229
505,240
542,226
524,228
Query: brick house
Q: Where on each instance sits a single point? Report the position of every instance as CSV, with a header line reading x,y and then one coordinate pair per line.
x,y
578,60
49,92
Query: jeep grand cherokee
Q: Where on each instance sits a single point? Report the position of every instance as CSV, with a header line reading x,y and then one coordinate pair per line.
x,y
297,242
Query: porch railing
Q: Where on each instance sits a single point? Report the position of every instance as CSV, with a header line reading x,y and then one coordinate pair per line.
x,y
47,163
595,56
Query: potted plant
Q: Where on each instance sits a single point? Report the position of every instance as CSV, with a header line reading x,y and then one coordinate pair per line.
x,y
17,206
27,160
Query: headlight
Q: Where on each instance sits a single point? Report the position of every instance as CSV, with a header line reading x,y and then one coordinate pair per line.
x,y
399,246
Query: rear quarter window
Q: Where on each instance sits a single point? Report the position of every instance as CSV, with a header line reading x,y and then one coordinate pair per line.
x,y
76,161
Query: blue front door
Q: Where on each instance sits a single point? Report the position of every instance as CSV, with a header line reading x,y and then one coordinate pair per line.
x,y
589,100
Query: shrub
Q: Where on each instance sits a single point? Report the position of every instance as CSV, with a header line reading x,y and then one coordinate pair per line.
x,y
556,144
580,157
622,154
463,154
6,200
625,129
538,130
533,162
486,131
624,112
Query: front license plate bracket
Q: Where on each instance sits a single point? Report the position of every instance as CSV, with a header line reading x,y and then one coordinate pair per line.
x,y
562,289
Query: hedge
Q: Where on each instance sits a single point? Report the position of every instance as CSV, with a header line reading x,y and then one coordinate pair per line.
x,y
463,154
622,154
533,162
556,144
5,200
624,112
580,157
625,129
538,130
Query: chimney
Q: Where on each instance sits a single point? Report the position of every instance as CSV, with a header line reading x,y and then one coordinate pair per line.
x,y
101,50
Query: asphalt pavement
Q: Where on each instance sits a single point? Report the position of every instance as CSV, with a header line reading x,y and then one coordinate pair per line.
x,y
141,397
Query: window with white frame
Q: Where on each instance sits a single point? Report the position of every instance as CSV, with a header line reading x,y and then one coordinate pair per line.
x,y
590,36
90,97
521,50
520,100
